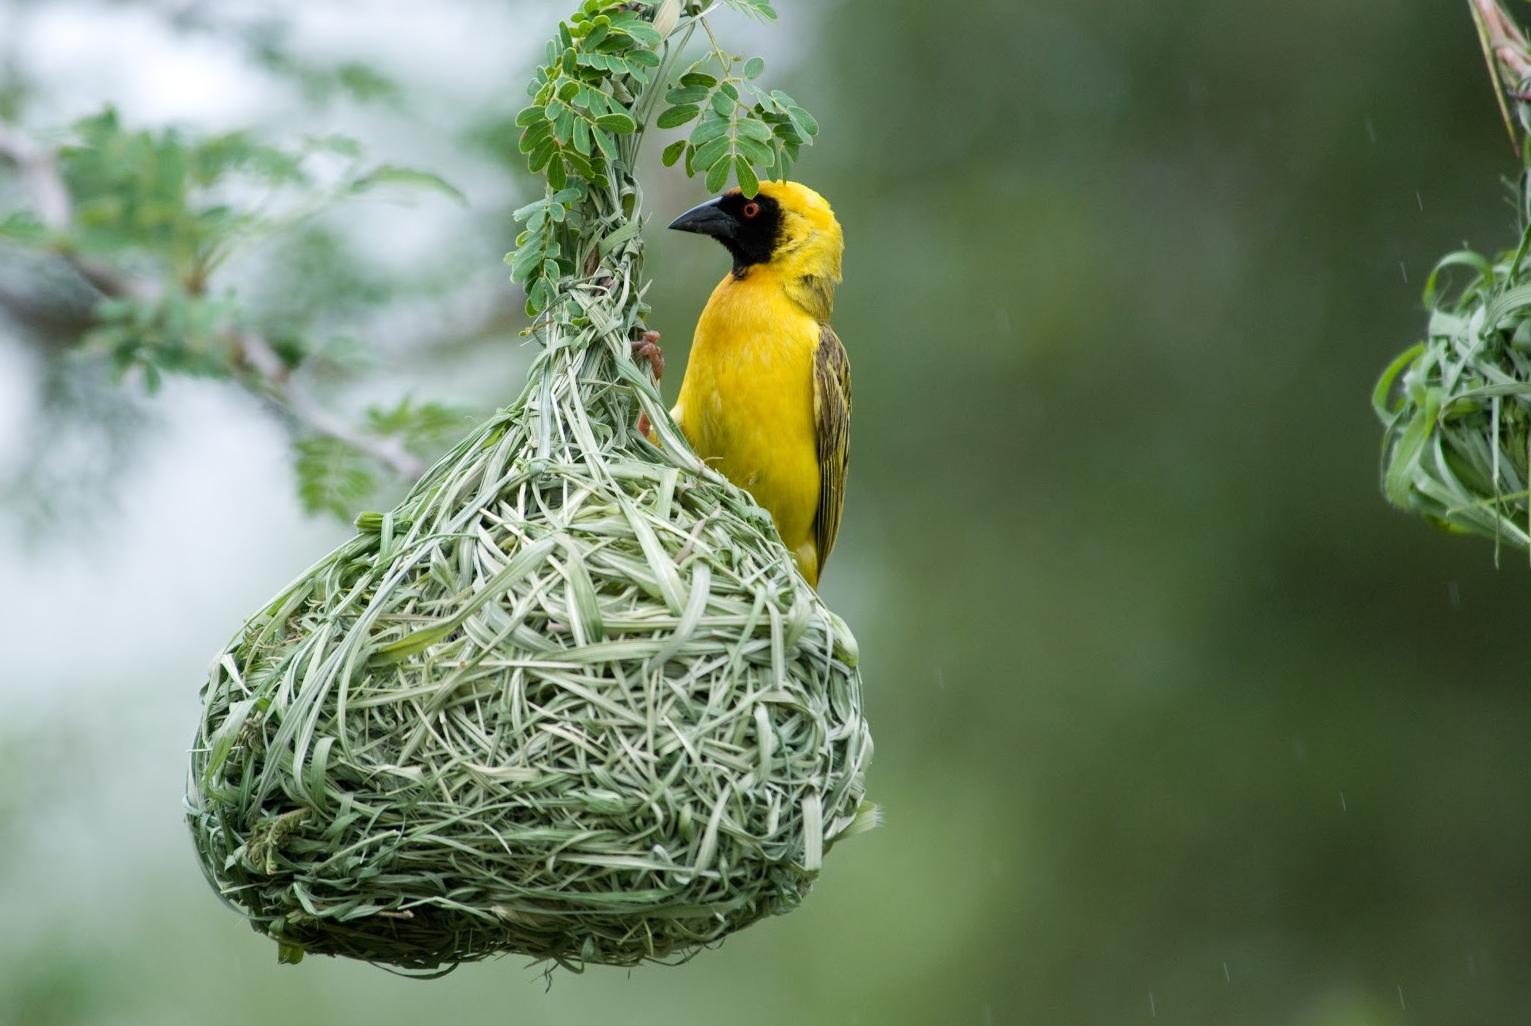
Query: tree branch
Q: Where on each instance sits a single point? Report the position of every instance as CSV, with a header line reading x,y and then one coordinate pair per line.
x,y
274,384
50,193
268,376
39,169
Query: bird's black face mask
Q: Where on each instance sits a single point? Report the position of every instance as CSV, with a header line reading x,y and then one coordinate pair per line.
x,y
748,228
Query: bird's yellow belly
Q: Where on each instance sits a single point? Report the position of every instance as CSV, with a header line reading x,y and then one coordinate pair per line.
x,y
746,404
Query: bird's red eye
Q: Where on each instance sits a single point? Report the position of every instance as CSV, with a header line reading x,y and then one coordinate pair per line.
x,y
751,208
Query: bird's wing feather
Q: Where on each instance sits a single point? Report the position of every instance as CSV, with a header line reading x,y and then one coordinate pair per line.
x,y
832,416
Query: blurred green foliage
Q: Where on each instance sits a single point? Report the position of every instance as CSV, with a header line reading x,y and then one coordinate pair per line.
x,y
1176,720
149,218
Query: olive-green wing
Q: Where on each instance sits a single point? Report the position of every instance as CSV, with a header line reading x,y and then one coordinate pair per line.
x,y
832,415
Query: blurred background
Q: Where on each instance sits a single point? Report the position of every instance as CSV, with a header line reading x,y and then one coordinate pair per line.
x,y
1175,719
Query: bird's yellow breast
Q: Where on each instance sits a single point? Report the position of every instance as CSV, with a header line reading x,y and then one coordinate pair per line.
x,y
746,403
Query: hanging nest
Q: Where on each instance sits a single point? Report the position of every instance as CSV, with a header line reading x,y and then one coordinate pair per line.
x,y
570,699
1457,406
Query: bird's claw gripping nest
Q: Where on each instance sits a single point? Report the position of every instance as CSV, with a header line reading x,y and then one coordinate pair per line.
x,y
646,348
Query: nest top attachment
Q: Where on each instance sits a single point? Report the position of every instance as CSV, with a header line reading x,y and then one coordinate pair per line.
x,y
570,699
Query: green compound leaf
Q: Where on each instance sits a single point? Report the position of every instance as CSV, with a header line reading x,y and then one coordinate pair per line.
x,y
757,8
333,477
408,177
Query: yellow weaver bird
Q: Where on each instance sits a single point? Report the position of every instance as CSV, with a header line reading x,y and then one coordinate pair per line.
x,y
767,394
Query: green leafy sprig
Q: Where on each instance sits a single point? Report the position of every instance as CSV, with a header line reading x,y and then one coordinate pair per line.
x,y
740,127
592,101
148,218
162,198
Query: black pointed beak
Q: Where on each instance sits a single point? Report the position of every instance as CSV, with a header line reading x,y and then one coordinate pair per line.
x,y
707,219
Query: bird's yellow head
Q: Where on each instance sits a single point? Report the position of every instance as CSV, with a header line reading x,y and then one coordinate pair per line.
x,y
786,227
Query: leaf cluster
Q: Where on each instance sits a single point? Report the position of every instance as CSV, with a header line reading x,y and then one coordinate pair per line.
x,y
174,333
335,476
592,100
157,213
579,124
165,199
352,80
739,129
581,97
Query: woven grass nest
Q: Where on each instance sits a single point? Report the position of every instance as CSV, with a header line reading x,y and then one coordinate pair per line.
x,y
571,698
1457,406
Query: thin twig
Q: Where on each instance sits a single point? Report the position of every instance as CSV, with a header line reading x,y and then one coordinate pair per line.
x,y
39,169
268,376
273,382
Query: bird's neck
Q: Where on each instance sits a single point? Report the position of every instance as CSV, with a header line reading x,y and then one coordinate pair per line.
x,y
807,276
814,293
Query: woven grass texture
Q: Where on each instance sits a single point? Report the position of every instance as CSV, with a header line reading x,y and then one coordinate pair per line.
x,y
571,698
1456,407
